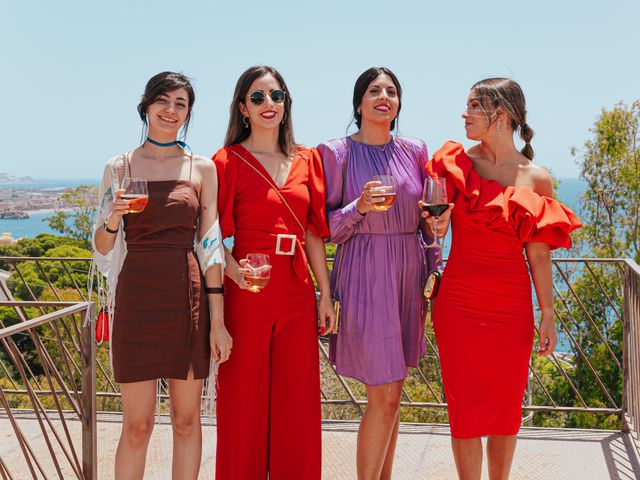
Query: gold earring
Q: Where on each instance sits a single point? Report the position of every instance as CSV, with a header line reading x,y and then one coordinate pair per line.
x,y
499,125
245,120
284,117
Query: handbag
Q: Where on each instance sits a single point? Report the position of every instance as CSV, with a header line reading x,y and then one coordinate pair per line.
x,y
434,279
102,326
432,285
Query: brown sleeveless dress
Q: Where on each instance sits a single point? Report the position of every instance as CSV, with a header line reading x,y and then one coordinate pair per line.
x,y
161,323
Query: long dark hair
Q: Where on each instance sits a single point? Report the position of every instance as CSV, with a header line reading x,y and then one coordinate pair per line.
x,y
159,85
360,88
494,93
237,132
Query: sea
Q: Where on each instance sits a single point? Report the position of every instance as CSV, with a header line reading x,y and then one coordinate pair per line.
x,y
36,223
570,191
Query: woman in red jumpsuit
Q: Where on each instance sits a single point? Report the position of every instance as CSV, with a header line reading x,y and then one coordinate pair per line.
x,y
271,200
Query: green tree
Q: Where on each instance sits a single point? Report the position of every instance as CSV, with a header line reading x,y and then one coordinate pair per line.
x,y
78,270
39,247
610,166
78,222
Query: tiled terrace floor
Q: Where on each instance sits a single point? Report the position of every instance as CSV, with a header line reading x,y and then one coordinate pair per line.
x,y
423,452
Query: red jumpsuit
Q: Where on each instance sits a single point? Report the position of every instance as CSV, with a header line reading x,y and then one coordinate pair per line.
x,y
268,403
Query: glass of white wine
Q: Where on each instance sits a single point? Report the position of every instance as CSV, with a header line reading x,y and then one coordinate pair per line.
x,y
385,193
135,190
260,271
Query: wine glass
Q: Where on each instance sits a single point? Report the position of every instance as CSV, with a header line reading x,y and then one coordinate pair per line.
x,y
386,192
434,201
135,190
260,271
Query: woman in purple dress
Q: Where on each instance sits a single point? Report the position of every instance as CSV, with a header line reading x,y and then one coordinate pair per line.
x,y
380,260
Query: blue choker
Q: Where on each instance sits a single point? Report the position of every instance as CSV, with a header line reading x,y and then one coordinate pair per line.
x,y
169,144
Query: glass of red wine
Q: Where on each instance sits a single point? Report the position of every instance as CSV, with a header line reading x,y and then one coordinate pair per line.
x,y
434,201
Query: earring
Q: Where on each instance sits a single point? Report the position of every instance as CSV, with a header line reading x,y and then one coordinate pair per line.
x,y
245,120
284,117
499,125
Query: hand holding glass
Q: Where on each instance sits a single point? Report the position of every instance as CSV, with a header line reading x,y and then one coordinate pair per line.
x,y
135,190
259,271
383,195
434,201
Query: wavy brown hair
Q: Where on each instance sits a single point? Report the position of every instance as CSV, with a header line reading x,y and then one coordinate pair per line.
x,y
494,93
236,131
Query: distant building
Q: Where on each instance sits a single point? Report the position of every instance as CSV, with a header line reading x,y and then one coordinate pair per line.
x,y
7,239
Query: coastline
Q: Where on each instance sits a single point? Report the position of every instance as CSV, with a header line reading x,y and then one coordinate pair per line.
x,y
47,210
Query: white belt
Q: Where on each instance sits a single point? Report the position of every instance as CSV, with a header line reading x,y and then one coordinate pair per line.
x,y
279,238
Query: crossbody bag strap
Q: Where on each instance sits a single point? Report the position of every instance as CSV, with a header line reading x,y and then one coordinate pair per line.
x,y
118,178
275,188
125,167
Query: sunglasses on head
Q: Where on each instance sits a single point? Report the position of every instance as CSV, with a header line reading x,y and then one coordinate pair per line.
x,y
258,97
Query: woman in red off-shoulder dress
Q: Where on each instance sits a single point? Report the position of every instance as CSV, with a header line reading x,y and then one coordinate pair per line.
x,y
483,315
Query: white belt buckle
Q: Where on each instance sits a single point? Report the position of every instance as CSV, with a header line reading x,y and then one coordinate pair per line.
x,y
293,239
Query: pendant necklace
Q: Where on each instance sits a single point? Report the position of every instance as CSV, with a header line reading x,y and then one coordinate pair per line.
x,y
377,147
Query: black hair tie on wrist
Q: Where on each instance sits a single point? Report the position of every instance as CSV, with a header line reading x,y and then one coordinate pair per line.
x,y
214,290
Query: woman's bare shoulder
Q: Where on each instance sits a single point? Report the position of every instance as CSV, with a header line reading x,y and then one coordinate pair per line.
x,y
539,178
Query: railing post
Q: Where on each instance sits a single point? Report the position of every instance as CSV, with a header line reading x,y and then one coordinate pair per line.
x,y
529,396
631,355
89,430
626,335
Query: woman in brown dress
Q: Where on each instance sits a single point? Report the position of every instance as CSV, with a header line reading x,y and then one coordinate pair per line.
x,y
167,319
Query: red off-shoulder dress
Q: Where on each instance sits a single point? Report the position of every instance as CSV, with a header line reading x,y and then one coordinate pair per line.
x,y
483,315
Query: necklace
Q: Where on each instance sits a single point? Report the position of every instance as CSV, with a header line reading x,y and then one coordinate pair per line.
x,y
377,147
168,144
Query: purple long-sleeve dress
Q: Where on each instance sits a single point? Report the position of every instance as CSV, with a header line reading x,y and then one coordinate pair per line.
x,y
383,266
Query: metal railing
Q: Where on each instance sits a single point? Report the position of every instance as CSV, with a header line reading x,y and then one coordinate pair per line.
x,y
597,309
52,385
589,341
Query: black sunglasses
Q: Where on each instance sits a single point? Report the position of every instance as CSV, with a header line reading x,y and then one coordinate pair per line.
x,y
258,97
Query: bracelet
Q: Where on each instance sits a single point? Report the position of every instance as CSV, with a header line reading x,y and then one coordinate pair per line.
x,y
108,230
214,290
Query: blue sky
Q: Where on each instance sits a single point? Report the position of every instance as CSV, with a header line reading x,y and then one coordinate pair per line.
x,y
72,72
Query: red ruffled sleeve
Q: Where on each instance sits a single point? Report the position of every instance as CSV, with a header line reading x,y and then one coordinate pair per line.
x,y
534,218
227,168
317,213
485,198
540,219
